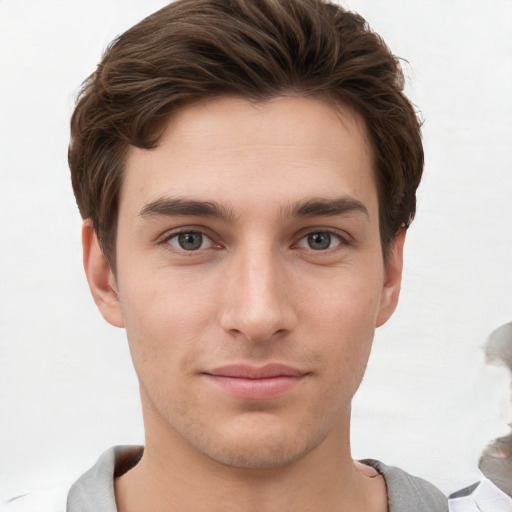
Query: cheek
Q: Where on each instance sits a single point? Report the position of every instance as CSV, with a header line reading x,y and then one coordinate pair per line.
x,y
349,340
165,322
348,300
344,315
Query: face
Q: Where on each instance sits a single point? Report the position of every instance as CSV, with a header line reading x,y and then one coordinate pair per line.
x,y
250,277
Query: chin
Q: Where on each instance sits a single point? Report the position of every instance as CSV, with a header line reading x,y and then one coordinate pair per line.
x,y
258,455
265,447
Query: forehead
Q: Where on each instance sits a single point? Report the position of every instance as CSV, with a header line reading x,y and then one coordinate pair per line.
x,y
245,153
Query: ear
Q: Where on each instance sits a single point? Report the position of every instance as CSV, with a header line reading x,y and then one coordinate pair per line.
x,y
100,277
392,279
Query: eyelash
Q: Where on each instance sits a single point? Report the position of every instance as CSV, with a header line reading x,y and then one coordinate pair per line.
x,y
343,240
166,240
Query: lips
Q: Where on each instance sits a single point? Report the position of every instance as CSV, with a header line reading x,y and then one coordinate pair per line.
x,y
256,383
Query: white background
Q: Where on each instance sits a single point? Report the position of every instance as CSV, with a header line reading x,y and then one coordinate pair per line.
x,y
428,403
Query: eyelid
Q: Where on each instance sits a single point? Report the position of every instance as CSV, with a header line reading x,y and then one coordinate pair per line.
x,y
343,236
205,241
171,233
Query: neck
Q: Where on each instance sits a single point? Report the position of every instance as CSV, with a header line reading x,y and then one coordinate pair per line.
x,y
172,475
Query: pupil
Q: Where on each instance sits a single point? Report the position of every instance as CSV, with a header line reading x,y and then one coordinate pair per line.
x,y
319,241
190,241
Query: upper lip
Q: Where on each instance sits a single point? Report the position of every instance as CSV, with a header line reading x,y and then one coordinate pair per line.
x,y
244,371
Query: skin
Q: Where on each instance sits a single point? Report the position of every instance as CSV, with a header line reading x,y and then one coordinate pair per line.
x,y
259,289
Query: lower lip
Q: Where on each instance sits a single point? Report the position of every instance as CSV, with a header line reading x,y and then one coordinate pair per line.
x,y
256,389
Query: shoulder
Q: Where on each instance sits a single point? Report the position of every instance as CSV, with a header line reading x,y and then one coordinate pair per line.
x,y
47,500
407,492
94,490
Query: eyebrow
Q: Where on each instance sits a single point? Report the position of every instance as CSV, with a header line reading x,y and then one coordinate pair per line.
x,y
318,207
177,206
313,207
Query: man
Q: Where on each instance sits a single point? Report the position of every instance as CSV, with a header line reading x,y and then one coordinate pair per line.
x,y
246,171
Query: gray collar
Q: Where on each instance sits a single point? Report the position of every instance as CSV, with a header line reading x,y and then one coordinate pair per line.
x,y
94,491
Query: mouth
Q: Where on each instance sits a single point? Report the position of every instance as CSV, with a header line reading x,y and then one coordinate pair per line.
x,y
256,383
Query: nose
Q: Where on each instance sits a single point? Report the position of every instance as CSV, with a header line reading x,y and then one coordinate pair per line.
x,y
257,303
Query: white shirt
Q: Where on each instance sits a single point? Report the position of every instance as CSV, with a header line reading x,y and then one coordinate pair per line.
x,y
484,497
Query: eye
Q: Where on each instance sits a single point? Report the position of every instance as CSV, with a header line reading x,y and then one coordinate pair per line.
x,y
190,241
320,241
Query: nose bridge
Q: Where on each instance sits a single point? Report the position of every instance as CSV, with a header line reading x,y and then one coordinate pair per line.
x,y
257,304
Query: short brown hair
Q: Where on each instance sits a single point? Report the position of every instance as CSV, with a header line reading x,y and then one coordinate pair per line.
x,y
257,49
